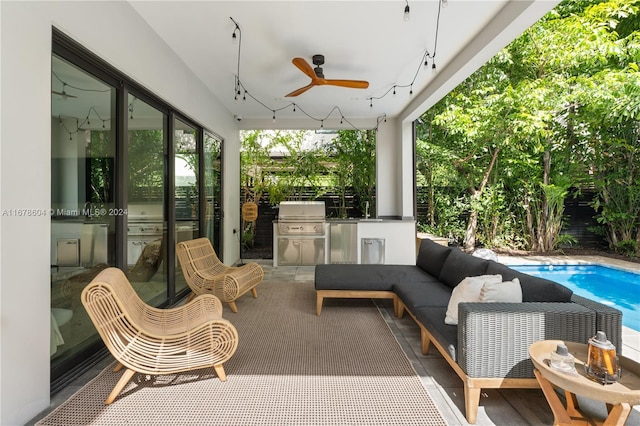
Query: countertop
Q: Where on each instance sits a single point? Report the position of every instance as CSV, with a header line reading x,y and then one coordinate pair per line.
x,y
363,220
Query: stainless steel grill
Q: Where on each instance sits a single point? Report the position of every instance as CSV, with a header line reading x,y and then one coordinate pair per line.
x,y
301,218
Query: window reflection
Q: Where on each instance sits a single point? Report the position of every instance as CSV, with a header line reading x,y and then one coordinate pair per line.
x,y
82,187
186,188
146,219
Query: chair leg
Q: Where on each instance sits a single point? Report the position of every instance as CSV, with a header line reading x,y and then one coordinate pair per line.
x,y
124,379
118,367
220,372
233,307
425,341
471,402
254,292
319,299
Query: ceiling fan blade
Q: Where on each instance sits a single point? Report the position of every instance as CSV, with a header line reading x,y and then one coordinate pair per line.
x,y
354,84
63,94
300,90
305,67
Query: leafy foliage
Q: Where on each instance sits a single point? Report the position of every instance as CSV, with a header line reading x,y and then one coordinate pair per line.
x,y
557,108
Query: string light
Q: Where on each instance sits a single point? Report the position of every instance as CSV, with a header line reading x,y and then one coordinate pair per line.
x,y
407,10
236,38
239,88
82,89
131,107
424,61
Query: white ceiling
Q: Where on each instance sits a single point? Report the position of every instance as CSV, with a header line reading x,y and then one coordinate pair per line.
x,y
363,40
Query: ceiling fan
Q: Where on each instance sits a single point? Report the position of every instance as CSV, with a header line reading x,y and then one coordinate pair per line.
x,y
317,76
64,93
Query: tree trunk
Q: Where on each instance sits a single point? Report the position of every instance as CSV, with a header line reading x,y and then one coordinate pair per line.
x,y
470,235
543,231
530,227
472,225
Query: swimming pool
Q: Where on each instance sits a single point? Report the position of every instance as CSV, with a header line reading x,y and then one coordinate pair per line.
x,y
614,287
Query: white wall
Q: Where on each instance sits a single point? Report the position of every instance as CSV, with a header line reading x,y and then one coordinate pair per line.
x,y
114,32
394,169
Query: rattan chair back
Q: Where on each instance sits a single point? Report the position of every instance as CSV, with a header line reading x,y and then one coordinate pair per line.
x,y
154,341
205,273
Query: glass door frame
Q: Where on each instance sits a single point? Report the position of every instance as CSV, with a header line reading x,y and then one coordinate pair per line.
x,y
66,48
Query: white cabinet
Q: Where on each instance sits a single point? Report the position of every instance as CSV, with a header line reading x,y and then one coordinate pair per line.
x,y
399,238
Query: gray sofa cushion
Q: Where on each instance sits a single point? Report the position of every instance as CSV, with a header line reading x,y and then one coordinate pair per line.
x,y
534,289
431,293
366,277
459,265
431,257
433,320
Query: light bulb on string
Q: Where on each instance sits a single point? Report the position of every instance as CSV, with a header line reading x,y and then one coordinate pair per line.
x,y
444,3
274,116
407,11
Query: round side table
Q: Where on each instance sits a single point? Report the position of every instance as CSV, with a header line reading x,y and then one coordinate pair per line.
x,y
619,396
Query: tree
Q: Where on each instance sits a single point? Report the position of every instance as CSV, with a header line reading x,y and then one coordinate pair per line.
x,y
538,118
353,159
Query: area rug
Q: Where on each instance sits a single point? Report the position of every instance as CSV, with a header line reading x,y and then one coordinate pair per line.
x,y
291,368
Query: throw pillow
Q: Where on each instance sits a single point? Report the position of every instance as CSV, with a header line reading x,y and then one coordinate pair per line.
x,y
467,291
508,292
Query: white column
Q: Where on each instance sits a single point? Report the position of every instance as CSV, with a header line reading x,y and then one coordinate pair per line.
x,y
394,164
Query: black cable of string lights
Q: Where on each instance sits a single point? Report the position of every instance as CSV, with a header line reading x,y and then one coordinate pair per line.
x,y
424,61
237,36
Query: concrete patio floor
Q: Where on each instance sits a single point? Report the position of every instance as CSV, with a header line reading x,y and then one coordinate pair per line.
x,y
497,407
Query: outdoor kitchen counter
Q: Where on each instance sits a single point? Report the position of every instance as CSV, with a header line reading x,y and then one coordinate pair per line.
x,y
370,220
379,240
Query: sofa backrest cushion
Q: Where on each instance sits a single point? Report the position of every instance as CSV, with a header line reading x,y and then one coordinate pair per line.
x,y
431,257
534,289
459,265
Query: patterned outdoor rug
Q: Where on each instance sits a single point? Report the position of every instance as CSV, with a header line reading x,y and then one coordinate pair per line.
x,y
291,368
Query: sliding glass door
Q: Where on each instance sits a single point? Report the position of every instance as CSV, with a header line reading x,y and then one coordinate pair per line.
x,y
127,177
186,187
83,184
213,189
146,200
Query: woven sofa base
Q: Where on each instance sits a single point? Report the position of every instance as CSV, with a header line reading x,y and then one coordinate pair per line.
x,y
353,294
472,385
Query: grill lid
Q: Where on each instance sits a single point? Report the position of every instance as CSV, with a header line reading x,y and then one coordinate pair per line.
x,y
301,210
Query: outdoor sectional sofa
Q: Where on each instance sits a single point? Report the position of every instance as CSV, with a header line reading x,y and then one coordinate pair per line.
x,y
489,346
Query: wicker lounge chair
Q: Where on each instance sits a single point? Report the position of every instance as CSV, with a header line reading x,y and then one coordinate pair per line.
x,y
156,341
205,273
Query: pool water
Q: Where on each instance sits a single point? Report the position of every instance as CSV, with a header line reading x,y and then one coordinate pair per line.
x,y
613,287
